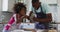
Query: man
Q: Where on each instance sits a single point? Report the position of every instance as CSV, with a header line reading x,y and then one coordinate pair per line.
x,y
40,10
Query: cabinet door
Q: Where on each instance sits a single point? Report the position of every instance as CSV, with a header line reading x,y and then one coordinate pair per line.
x,y
51,1
58,9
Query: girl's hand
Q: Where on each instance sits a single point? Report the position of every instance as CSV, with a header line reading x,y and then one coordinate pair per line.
x,y
25,17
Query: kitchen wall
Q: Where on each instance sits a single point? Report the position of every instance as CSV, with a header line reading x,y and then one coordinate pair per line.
x,y
58,15
5,15
0,6
58,11
0,9
10,5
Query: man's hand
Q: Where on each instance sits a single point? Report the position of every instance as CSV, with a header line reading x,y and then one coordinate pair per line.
x,y
48,19
34,19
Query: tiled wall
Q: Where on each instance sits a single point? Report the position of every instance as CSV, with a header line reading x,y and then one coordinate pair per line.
x,y
6,16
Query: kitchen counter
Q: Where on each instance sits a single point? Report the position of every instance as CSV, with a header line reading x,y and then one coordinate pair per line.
x,y
34,30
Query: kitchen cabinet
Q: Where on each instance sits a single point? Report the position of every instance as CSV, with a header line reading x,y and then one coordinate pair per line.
x,y
51,1
58,9
58,27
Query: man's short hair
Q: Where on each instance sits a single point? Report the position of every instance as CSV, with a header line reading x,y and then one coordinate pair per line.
x,y
34,1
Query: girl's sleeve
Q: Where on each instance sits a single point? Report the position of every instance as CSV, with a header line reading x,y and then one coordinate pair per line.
x,y
11,21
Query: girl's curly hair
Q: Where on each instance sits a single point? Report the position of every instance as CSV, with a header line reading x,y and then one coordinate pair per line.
x,y
18,6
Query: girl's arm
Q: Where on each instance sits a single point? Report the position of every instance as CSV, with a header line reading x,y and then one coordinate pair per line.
x,y
11,21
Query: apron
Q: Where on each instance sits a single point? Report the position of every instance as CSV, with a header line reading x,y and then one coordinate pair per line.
x,y
40,25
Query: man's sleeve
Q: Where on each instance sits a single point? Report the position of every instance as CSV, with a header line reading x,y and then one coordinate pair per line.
x,y
30,8
46,8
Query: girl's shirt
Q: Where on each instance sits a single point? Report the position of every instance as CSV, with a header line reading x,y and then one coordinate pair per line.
x,y
11,22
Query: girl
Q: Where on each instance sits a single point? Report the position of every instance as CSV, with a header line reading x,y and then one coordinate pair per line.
x,y
20,13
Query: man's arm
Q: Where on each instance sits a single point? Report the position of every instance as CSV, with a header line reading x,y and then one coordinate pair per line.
x,y
30,13
47,19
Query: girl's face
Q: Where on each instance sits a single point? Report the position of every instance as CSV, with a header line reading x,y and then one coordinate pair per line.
x,y
23,12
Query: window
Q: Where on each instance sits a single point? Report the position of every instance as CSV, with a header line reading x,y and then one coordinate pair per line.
x,y
5,5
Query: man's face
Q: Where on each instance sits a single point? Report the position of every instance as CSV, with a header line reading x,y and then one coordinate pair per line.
x,y
35,5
